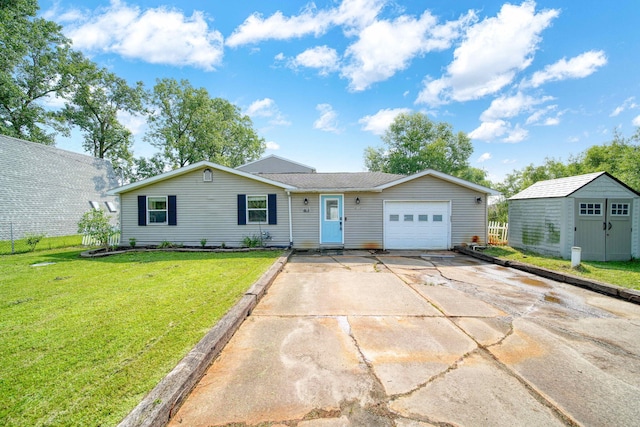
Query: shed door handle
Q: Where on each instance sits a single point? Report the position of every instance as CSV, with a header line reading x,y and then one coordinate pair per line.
x,y
609,226
604,225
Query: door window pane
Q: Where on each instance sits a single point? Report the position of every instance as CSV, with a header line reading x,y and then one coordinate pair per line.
x,y
437,218
408,218
331,210
423,218
394,217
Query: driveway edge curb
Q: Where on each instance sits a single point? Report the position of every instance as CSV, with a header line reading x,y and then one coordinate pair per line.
x,y
157,407
629,295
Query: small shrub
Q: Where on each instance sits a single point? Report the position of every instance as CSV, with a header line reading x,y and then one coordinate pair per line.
x,y
203,242
252,242
165,244
95,223
223,245
132,242
33,239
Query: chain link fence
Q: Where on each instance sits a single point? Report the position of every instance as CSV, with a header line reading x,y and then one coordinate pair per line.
x,y
19,237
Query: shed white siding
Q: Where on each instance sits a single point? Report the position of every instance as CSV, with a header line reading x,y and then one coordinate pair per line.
x,y
205,210
537,225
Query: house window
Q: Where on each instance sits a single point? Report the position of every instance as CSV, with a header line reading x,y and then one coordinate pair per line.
x,y
207,175
394,217
437,218
331,210
157,210
423,218
408,218
591,209
94,205
256,209
620,209
110,206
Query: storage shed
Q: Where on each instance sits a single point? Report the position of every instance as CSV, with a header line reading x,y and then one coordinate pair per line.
x,y
595,212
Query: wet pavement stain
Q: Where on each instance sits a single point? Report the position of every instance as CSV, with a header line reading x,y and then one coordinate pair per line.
x,y
532,282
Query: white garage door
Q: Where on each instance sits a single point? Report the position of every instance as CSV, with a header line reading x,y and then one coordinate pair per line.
x,y
416,225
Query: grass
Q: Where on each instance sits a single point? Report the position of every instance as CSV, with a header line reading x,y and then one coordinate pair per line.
x,y
621,273
47,243
82,341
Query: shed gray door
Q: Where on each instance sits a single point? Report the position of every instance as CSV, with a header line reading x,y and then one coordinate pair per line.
x,y
618,237
603,229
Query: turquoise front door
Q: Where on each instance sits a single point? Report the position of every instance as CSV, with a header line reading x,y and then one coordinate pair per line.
x,y
331,223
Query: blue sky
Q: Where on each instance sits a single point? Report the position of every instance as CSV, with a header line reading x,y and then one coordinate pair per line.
x,y
322,80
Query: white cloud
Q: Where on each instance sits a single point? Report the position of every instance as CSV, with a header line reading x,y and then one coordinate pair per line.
x,y
628,104
267,108
279,57
636,121
272,145
552,121
385,47
328,120
156,35
484,157
380,121
492,53
511,106
499,129
136,124
321,57
350,13
574,68
488,131
516,135
509,161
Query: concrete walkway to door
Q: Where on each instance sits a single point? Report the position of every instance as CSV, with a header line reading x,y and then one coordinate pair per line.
x,y
412,339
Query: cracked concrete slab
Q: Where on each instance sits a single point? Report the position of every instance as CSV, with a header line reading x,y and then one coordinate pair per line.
x,y
341,293
476,392
407,352
357,340
593,380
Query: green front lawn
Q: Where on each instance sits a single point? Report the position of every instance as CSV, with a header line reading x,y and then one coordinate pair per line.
x,y
625,274
82,341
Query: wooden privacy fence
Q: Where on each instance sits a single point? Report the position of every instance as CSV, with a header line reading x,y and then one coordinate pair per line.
x,y
498,233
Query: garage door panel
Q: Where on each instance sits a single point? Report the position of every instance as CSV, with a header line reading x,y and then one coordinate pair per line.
x,y
417,225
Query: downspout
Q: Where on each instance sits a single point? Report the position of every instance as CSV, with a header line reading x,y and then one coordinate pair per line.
x,y
290,221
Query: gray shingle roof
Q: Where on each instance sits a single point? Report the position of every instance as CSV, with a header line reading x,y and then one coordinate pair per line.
x,y
561,187
340,180
46,189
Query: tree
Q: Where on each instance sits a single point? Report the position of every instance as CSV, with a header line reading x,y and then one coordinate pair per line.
x,y
145,168
415,143
96,98
188,126
35,62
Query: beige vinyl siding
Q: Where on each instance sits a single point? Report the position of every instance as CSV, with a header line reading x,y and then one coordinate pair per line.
x,y
363,228
468,218
306,221
537,225
205,210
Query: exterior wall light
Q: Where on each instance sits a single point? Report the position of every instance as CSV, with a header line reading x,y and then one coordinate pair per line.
x,y
357,200
478,200
306,201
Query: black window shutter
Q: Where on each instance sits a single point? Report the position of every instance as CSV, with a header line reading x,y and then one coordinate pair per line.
x,y
173,211
142,210
273,211
242,209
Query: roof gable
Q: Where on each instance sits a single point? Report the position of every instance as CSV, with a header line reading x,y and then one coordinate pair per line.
x,y
203,164
442,176
275,164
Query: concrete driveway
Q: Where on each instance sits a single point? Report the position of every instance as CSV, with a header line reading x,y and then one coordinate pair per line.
x,y
409,340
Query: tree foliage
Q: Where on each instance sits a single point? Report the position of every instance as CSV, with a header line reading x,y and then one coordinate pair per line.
x,y
95,223
414,143
36,61
96,99
188,126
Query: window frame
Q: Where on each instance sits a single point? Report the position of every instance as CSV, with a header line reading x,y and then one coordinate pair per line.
x,y
584,206
620,207
165,210
265,209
